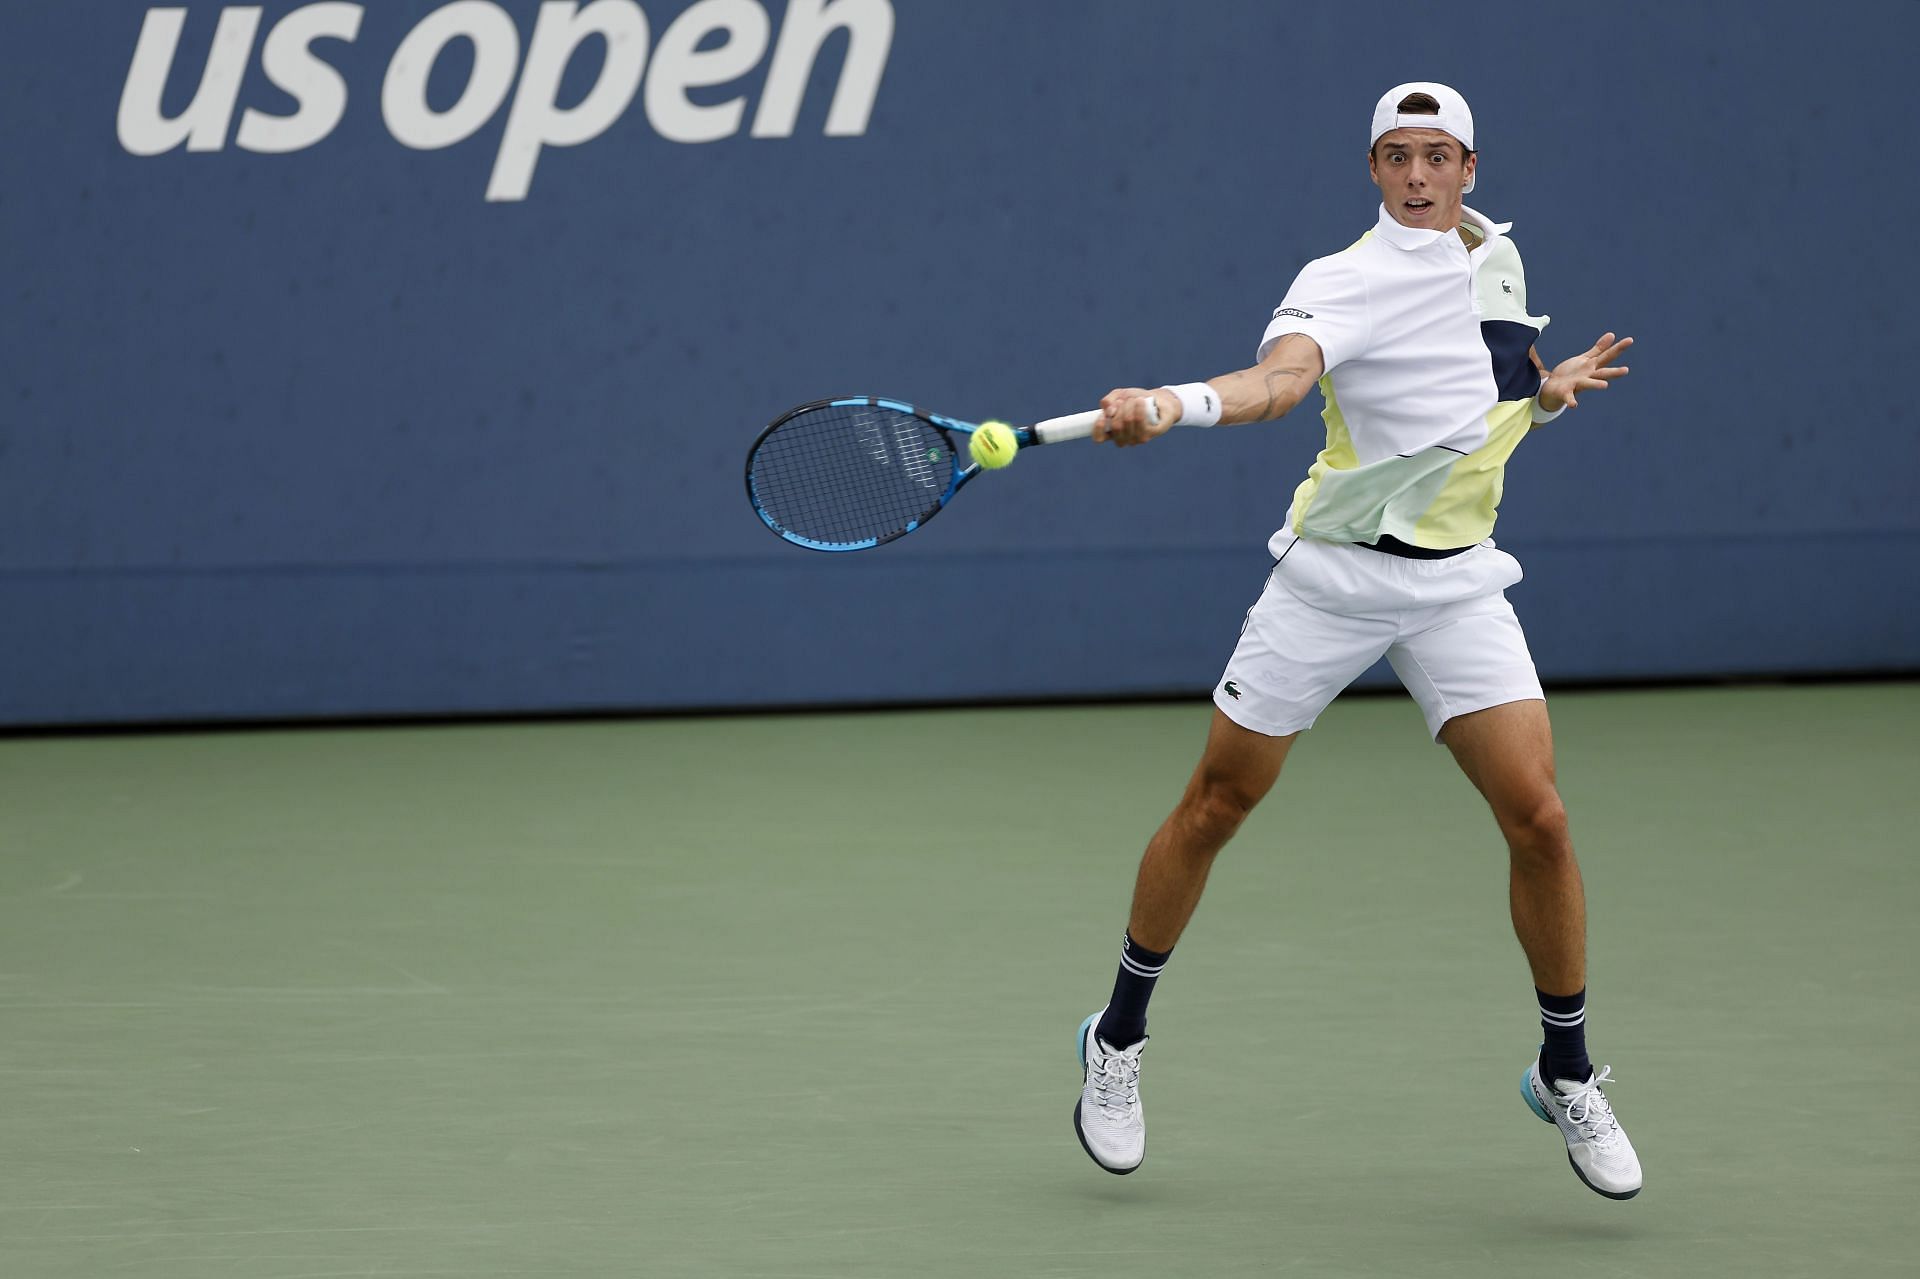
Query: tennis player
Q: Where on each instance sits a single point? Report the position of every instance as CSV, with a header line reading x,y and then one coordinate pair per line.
x,y
1420,341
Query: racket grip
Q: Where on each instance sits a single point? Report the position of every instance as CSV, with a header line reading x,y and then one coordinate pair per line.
x,y
1078,426
1074,426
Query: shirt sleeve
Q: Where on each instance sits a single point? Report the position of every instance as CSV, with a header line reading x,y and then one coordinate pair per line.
x,y
1328,303
1506,320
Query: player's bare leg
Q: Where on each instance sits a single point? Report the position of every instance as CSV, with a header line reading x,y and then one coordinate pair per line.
x,y
1507,752
1235,771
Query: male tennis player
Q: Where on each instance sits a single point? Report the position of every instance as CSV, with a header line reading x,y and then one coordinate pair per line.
x,y
1419,339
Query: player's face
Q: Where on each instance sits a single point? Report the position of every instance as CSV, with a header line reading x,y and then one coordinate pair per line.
x,y
1422,175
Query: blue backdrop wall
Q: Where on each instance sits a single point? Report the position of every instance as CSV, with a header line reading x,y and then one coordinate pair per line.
x,y
401,358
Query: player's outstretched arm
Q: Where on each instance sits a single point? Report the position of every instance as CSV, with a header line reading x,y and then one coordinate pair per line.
x,y
1266,391
1271,388
1590,370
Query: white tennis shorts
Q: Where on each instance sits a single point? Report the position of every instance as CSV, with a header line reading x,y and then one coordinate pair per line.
x,y
1330,610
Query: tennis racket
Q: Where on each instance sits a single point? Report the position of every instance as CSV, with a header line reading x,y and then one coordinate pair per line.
x,y
856,473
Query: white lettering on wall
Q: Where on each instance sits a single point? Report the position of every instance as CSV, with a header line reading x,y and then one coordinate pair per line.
x,y
681,65
869,27
496,56
738,34
320,92
535,121
203,125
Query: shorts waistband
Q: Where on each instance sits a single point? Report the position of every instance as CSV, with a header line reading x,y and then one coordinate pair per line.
x,y
1390,545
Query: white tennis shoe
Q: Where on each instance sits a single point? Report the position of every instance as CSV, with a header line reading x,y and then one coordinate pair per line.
x,y
1597,1145
1111,1125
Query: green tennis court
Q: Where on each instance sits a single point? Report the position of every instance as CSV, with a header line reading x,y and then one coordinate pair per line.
x,y
796,996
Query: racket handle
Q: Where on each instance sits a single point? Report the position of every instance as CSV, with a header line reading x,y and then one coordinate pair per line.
x,y
1078,426
1074,426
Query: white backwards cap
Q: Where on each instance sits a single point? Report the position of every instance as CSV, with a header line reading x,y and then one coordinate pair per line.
x,y
1455,118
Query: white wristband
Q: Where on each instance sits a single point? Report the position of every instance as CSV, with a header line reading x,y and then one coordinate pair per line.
x,y
1199,404
1540,413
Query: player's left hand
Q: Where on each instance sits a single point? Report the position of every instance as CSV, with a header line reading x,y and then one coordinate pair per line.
x,y
1124,417
1591,370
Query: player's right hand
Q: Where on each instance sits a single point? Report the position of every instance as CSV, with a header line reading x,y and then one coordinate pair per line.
x,y
1126,420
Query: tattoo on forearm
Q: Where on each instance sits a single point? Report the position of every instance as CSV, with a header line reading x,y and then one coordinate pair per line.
x,y
1277,380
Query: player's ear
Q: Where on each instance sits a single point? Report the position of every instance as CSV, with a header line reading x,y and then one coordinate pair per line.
x,y
1373,168
1473,159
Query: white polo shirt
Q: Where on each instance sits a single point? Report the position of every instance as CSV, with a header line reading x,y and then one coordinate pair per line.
x,y
1429,386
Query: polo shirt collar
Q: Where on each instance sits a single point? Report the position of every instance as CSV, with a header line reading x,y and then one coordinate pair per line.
x,y
1488,228
1411,238
1403,237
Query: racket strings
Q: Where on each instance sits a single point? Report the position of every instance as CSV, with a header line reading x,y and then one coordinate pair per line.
x,y
847,474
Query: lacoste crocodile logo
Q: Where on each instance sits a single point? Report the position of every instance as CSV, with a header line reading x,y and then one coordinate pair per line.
x,y
1232,690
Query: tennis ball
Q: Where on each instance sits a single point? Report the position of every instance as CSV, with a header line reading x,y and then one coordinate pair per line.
x,y
993,445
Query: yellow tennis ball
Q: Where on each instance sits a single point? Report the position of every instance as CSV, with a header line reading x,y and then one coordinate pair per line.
x,y
993,445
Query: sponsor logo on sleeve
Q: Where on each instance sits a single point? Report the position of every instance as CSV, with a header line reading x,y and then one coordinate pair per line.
x,y
1294,311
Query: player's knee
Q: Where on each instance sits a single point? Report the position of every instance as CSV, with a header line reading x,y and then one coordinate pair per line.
x,y
1218,803
1537,829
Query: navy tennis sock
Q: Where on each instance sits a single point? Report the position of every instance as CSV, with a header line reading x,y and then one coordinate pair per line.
x,y
1124,1024
1564,1020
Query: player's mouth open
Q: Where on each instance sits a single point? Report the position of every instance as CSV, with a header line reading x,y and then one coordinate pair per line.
x,y
1417,205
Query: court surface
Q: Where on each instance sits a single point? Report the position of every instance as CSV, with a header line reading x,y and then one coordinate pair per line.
x,y
796,996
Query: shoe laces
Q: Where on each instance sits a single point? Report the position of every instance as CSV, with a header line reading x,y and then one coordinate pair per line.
x,y
1115,1077
1588,1110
